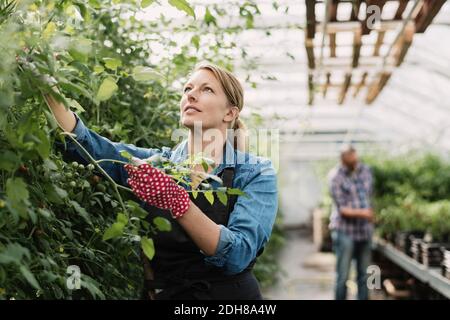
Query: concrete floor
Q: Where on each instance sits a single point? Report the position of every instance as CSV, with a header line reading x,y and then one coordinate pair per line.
x,y
306,274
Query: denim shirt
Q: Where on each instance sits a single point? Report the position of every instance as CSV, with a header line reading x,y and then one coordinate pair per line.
x,y
252,219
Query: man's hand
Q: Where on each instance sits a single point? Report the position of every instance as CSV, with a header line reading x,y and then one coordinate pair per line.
x,y
358,213
367,214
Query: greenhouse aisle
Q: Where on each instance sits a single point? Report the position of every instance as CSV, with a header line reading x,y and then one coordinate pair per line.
x,y
307,274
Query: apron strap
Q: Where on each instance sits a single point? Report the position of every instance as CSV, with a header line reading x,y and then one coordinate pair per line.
x,y
227,177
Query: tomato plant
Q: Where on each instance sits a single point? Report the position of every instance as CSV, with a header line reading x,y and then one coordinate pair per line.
x,y
122,75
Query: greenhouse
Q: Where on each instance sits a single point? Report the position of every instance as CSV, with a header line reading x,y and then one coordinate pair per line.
x,y
224,150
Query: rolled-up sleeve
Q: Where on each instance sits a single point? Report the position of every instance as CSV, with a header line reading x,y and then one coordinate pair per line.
x,y
102,148
250,223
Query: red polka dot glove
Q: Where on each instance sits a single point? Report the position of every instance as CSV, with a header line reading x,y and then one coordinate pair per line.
x,y
158,189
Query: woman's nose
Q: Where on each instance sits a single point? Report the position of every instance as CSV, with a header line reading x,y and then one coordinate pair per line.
x,y
192,95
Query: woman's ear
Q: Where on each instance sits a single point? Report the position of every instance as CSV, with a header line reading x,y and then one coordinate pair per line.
x,y
231,114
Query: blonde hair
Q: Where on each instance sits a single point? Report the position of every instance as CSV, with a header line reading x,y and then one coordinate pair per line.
x,y
235,96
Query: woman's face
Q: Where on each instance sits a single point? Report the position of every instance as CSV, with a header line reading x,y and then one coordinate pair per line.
x,y
204,100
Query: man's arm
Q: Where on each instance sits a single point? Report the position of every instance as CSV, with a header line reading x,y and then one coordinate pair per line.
x,y
342,204
356,213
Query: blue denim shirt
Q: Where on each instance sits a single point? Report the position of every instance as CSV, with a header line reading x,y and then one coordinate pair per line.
x,y
250,223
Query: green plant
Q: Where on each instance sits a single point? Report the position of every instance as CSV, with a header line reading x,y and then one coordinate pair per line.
x,y
55,212
411,193
267,268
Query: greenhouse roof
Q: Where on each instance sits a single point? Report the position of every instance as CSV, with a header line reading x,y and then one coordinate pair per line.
x,y
413,108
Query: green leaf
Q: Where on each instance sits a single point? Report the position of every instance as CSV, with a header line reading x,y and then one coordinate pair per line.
x,y
16,190
54,194
146,3
209,196
162,224
98,69
195,40
136,210
92,286
204,165
49,30
112,63
50,165
75,105
81,211
126,154
183,6
80,48
235,191
148,247
209,18
122,218
43,148
29,277
9,161
106,89
13,253
45,213
141,73
116,230
75,88
222,197
195,194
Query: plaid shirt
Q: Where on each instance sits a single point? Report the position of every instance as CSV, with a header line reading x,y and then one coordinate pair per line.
x,y
351,189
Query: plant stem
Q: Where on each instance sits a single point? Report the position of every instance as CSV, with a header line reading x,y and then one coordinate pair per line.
x,y
92,160
111,160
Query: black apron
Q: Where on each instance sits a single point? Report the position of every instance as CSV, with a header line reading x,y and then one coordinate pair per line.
x,y
178,270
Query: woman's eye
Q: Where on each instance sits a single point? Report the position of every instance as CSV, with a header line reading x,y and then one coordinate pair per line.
x,y
186,89
208,89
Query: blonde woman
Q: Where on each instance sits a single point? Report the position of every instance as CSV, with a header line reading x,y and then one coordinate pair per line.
x,y
211,249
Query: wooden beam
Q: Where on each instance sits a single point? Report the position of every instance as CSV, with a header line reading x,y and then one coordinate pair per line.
x,y
427,13
379,43
310,18
334,27
332,12
401,8
356,47
363,61
344,89
333,45
327,84
310,89
404,43
356,5
309,45
360,85
377,86
380,3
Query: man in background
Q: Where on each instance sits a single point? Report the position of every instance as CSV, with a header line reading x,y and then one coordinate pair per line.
x,y
351,221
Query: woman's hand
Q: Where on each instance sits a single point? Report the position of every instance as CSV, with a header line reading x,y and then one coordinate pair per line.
x,y
158,189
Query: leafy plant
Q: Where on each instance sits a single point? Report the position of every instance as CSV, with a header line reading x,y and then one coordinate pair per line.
x,y
57,211
411,194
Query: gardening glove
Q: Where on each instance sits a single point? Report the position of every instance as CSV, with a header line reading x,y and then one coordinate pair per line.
x,y
158,189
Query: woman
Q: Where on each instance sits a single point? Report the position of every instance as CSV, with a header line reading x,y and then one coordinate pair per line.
x,y
211,249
